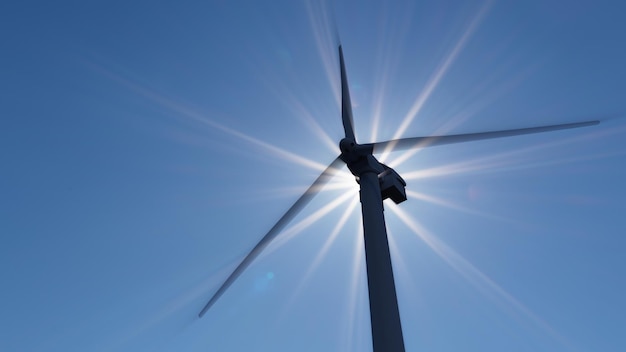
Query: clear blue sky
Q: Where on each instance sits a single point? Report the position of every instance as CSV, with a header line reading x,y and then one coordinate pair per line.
x,y
146,146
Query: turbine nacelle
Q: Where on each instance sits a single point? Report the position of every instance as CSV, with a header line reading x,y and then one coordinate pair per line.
x,y
359,159
392,185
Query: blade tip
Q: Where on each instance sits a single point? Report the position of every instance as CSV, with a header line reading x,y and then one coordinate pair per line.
x,y
206,308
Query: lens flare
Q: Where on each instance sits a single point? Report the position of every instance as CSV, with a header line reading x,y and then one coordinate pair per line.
x,y
521,158
289,233
187,112
322,24
286,96
321,254
434,80
473,275
451,205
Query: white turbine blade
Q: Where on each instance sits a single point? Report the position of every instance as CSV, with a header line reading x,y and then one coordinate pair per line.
x,y
346,104
304,199
431,141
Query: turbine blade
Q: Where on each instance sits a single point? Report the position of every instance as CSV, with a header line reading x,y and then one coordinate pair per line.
x,y
346,104
304,199
431,141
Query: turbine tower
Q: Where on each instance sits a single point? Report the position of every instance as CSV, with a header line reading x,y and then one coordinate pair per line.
x,y
377,182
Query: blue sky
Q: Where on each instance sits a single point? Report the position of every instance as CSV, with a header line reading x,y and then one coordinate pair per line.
x,y
146,147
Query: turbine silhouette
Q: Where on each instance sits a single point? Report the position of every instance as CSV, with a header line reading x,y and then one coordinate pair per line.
x,y
378,182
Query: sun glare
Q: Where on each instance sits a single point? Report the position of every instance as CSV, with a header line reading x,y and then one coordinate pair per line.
x,y
451,205
188,113
516,159
300,226
321,254
286,96
322,24
343,183
437,76
473,275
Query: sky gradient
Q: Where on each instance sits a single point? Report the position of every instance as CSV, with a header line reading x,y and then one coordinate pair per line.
x,y
146,147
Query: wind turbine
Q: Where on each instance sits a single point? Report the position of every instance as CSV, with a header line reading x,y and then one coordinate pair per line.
x,y
378,182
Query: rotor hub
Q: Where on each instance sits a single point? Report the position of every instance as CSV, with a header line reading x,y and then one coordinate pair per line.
x,y
347,145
